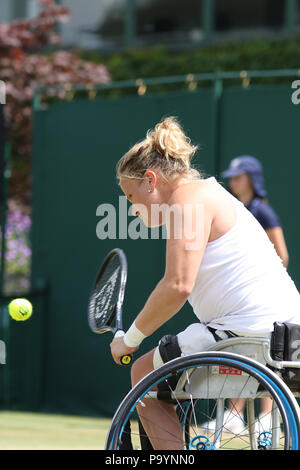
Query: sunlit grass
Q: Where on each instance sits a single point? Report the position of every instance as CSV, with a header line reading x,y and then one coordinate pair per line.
x,y
34,431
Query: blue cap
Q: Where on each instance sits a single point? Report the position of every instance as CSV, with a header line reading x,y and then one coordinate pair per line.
x,y
250,165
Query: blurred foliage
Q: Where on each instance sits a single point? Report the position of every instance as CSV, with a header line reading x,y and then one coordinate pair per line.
x,y
25,65
26,62
257,54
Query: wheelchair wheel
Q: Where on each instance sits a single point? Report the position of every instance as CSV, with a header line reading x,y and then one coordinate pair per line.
x,y
206,383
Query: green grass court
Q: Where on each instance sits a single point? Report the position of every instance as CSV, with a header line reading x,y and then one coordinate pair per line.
x,y
34,431
38,431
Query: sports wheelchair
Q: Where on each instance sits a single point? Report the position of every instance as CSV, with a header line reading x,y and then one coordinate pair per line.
x,y
202,385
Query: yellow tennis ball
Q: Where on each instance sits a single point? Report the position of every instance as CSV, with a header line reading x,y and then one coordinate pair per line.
x,y
20,309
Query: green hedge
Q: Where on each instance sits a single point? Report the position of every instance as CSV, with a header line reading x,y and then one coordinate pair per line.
x,y
158,61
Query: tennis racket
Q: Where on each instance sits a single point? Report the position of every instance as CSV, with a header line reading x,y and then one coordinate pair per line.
x,y
106,298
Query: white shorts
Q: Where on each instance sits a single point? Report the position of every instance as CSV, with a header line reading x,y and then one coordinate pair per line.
x,y
195,338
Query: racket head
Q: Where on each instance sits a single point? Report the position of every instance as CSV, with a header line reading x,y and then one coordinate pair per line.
x,y
107,295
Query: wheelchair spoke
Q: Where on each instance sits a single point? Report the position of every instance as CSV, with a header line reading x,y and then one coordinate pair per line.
x,y
192,403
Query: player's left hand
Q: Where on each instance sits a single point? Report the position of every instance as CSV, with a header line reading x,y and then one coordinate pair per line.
x,y
118,349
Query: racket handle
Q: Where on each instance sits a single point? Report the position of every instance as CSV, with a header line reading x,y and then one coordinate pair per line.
x,y
127,358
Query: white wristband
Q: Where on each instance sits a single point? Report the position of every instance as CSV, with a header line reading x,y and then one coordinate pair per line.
x,y
133,337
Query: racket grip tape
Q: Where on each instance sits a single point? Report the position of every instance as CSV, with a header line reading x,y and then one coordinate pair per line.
x,y
127,358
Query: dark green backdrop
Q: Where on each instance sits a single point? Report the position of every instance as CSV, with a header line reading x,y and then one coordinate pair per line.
x,y
76,147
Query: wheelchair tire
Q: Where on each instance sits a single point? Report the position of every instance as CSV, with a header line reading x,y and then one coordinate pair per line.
x,y
193,436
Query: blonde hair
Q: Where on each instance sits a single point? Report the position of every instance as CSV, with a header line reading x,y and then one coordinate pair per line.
x,y
166,148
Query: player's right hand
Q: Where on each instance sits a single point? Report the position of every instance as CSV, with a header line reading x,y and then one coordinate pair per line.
x,y
118,349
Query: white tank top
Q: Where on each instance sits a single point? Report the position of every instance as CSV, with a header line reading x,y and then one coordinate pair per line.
x,y
242,284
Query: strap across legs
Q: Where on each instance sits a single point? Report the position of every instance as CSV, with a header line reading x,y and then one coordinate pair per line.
x,y
213,331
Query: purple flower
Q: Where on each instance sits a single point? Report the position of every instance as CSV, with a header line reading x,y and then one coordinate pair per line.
x,y
18,250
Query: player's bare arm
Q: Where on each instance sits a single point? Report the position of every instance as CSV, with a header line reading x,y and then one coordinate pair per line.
x,y
183,257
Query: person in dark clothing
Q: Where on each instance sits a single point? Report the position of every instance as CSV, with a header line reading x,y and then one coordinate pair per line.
x,y
246,182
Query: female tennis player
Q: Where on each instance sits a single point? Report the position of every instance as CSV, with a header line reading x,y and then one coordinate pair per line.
x,y
231,275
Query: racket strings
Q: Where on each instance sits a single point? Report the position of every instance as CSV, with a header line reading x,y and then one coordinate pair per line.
x,y
104,298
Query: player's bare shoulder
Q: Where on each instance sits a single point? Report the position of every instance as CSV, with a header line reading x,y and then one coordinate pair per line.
x,y
202,191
